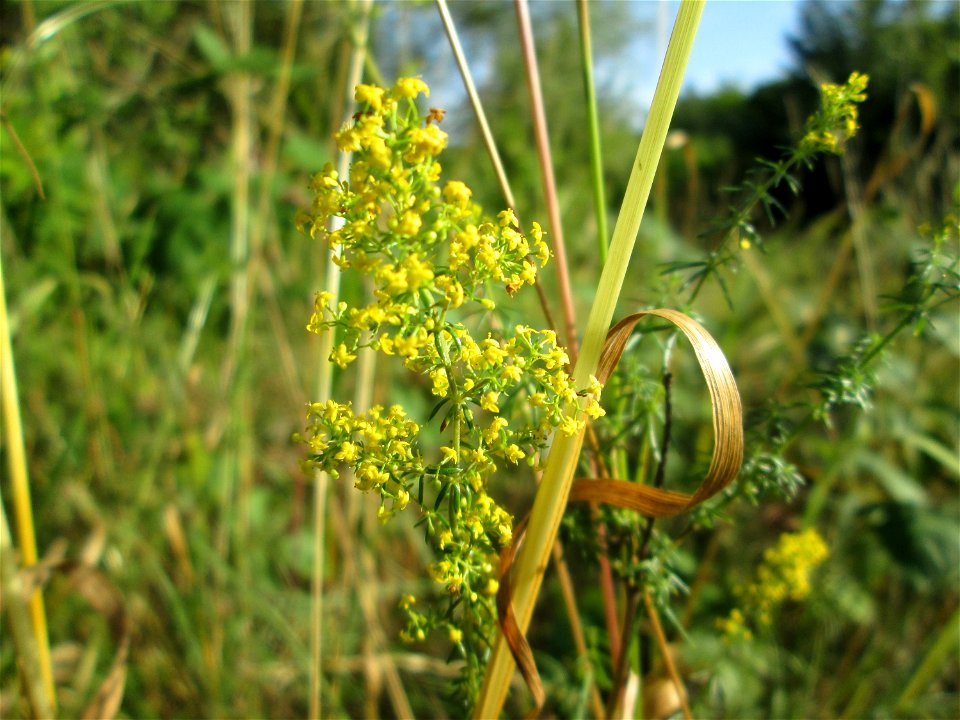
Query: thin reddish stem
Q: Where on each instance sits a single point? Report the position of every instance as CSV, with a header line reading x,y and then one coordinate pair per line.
x,y
546,172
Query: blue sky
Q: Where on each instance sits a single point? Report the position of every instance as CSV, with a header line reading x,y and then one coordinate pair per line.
x,y
739,42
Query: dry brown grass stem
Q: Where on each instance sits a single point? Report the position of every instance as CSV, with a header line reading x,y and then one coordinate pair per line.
x,y
546,174
488,141
666,654
573,614
475,103
360,573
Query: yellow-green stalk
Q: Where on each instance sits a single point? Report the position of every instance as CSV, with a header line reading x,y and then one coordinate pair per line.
x,y
593,129
552,494
20,487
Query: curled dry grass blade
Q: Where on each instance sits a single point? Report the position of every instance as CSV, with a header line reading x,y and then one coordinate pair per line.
x,y
727,424
648,501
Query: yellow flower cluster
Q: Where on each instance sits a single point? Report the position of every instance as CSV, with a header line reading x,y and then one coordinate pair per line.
x,y
427,248
836,121
430,254
783,575
378,446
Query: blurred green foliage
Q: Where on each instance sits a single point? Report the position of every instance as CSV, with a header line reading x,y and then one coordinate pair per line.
x,y
177,476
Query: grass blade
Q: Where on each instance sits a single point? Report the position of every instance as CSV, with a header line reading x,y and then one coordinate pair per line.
x,y
552,495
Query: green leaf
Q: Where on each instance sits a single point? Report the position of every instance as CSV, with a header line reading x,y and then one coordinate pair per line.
x,y
212,47
899,486
935,450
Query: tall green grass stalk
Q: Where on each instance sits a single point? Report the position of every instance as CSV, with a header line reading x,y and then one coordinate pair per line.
x,y
551,497
20,488
593,129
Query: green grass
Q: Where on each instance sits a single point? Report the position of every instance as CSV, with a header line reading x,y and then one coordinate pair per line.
x,y
179,481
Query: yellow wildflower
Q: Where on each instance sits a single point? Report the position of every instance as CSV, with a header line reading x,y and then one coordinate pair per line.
x,y
370,95
418,272
513,453
489,402
348,452
444,538
406,601
410,223
409,87
341,356
507,218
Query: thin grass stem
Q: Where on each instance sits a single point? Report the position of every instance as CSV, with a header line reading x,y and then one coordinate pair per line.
x,y
935,661
858,222
263,218
769,294
487,135
576,628
475,103
542,136
593,129
324,389
615,701
239,92
20,487
667,655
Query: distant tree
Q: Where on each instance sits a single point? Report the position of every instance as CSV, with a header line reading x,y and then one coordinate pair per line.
x,y
907,49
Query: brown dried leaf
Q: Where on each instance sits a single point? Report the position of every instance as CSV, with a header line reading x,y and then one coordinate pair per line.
x,y
727,424
648,501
